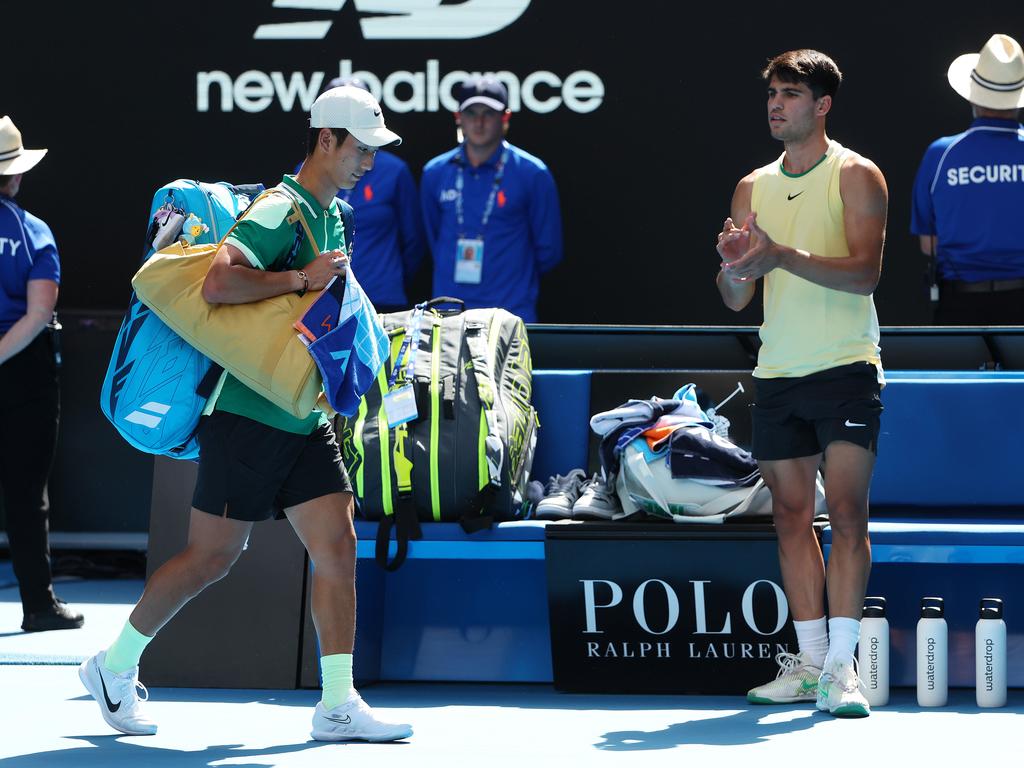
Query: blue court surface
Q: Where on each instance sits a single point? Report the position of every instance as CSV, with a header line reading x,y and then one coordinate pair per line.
x,y
47,719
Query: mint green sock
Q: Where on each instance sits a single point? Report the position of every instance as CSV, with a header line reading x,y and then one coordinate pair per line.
x,y
126,651
336,670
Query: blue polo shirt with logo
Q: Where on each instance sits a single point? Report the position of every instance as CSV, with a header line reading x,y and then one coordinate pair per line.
x,y
969,191
522,239
27,252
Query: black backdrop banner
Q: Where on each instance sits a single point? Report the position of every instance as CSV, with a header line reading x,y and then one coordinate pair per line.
x,y
646,118
667,608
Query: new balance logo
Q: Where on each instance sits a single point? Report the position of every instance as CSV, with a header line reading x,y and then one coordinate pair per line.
x,y
149,415
401,19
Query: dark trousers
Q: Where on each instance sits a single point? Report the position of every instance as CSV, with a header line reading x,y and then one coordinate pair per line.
x,y
992,308
29,414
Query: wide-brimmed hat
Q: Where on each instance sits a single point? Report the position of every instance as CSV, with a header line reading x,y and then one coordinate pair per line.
x,y
993,78
14,158
355,110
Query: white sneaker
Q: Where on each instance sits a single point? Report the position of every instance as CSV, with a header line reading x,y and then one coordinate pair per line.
x,y
355,720
797,680
118,696
841,692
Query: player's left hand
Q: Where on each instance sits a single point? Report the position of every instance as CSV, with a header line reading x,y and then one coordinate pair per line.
x,y
761,257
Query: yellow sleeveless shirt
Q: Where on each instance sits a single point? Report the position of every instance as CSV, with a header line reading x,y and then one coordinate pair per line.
x,y
809,328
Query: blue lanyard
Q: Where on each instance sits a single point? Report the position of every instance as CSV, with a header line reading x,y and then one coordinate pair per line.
x,y
412,333
499,174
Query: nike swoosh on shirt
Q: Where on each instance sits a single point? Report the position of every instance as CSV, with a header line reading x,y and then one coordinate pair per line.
x,y
110,705
849,423
790,197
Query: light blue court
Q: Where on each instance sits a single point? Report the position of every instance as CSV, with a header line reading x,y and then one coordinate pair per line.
x,y
46,719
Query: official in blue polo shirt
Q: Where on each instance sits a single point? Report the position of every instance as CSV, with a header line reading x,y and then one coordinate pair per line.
x,y
969,191
490,210
29,395
390,247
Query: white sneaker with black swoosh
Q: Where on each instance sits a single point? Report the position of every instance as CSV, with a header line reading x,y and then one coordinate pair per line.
x,y
118,696
354,720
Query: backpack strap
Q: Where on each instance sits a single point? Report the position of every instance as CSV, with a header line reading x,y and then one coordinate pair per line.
x,y
476,335
404,520
476,342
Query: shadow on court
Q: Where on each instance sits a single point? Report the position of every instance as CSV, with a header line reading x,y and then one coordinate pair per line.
x,y
116,751
750,726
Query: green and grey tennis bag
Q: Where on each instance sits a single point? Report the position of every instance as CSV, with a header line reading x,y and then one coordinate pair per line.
x,y
466,454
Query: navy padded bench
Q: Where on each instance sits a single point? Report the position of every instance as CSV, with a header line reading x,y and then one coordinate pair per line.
x,y
474,607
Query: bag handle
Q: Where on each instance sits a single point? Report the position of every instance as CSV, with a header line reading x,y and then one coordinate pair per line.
x,y
445,300
242,215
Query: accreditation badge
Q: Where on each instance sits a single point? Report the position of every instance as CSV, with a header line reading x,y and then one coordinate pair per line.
x,y
469,261
400,405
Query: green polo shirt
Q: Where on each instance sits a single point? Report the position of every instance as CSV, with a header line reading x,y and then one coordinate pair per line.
x,y
266,238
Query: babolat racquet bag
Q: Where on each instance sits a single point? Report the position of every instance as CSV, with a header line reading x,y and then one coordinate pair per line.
x,y
156,385
448,433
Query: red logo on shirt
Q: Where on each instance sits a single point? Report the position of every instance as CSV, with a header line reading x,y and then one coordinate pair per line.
x,y
368,193
501,198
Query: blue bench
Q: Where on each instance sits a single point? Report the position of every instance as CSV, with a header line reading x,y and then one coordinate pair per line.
x,y
945,499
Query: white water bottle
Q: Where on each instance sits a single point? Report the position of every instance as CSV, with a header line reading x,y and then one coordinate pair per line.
x,y
932,649
873,651
990,654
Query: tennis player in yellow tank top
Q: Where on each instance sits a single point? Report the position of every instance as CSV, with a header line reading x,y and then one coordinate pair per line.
x,y
812,224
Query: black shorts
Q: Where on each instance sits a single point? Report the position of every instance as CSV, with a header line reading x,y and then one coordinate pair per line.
x,y
795,417
251,471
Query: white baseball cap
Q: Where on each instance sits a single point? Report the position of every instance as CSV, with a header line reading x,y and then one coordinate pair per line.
x,y
356,111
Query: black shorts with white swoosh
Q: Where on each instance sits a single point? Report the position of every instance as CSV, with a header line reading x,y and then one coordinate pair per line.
x,y
794,417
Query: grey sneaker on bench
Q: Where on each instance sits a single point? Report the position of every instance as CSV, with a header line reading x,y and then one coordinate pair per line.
x,y
560,494
596,502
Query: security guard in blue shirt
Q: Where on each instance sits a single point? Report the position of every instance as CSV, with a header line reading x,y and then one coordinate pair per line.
x,y
29,396
391,247
968,189
490,210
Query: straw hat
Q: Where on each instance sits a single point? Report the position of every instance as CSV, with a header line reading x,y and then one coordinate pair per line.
x,y
14,158
993,78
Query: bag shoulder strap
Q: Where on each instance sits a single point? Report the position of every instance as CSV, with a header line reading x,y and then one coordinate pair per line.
x,y
348,220
476,336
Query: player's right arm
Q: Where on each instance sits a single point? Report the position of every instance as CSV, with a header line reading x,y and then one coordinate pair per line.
x,y
732,244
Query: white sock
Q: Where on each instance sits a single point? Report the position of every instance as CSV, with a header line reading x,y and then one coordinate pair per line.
x,y
812,640
843,634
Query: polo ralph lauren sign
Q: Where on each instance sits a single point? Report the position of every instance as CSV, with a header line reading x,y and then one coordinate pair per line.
x,y
665,609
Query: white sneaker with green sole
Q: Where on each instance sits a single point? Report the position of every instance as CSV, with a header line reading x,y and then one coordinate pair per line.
x,y
797,680
841,692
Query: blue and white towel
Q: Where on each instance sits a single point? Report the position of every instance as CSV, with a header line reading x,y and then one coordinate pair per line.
x,y
352,352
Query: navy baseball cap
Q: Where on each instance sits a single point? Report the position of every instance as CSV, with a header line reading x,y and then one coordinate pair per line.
x,y
485,90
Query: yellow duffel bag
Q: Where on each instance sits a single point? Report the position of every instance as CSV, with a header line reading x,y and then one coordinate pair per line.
x,y
255,342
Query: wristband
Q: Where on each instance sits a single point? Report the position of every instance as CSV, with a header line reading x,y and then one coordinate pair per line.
x,y
305,282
